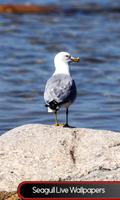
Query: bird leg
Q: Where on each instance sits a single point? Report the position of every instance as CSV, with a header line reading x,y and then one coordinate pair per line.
x,y
66,124
56,119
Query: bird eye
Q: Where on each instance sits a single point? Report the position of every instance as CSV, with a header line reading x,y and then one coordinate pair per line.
x,y
67,56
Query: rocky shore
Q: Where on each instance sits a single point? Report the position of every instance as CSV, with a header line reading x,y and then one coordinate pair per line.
x,y
43,152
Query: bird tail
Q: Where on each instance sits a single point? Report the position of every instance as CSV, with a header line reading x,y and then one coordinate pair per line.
x,y
53,106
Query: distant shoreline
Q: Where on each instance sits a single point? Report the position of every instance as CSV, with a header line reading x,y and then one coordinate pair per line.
x,y
51,9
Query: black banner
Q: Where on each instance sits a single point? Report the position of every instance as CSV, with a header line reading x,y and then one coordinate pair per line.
x,y
70,190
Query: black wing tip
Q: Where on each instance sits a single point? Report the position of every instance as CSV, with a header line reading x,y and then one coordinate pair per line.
x,y
53,105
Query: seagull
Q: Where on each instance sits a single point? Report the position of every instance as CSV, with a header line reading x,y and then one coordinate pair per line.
x,y
60,90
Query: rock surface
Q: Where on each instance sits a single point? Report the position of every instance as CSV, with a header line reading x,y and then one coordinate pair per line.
x,y
41,152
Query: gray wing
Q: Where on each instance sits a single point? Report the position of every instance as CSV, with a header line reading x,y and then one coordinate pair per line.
x,y
60,88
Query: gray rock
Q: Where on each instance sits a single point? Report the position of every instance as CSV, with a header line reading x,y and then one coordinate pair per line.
x,y
41,152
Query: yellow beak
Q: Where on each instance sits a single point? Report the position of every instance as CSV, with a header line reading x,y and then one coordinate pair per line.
x,y
75,59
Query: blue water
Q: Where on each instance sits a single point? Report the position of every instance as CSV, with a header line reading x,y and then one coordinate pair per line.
x,y
28,45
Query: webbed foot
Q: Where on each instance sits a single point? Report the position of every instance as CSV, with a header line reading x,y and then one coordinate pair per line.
x,y
59,125
66,126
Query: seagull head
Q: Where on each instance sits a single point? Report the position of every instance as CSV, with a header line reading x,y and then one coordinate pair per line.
x,y
62,60
65,57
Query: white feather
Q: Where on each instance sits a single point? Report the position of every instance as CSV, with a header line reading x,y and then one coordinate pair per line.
x,y
50,110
